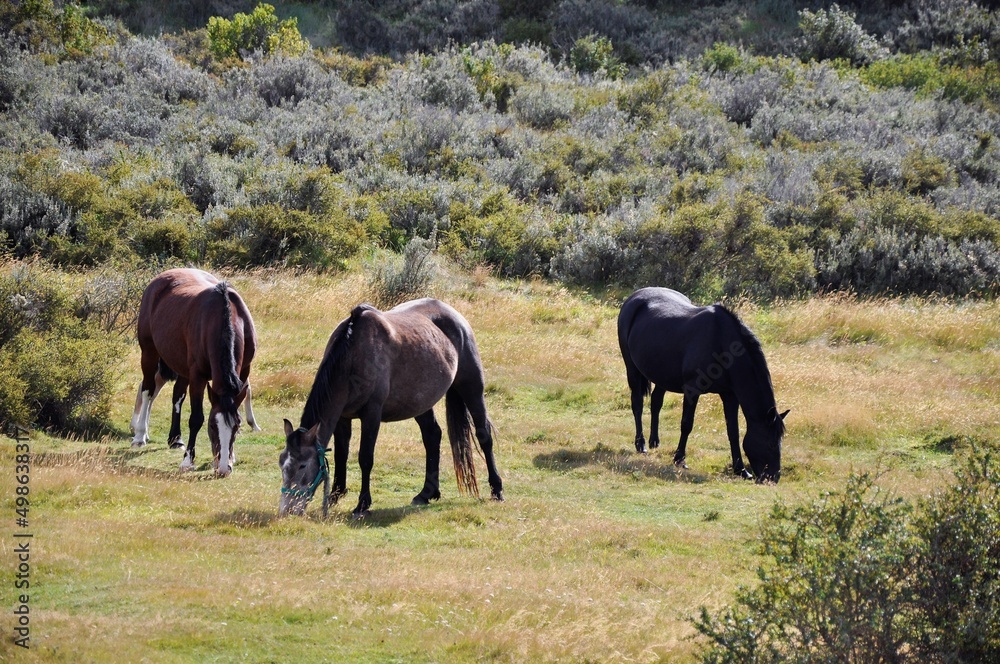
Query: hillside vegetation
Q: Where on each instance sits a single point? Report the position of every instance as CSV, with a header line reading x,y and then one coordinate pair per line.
x,y
849,164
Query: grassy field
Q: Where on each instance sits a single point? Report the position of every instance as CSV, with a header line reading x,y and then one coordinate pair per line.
x,y
597,554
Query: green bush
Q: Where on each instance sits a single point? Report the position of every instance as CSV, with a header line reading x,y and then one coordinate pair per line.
x,y
41,26
722,57
269,235
927,74
260,30
499,234
595,54
723,249
57,368
860,576
958,579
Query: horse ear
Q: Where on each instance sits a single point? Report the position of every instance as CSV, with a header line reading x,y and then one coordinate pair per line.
x,y
288,428
313,432
782,416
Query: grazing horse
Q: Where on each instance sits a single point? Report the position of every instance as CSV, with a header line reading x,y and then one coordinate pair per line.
x,y
385,367
673,345
195,329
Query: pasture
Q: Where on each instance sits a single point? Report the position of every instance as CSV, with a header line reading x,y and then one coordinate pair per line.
x,y
598,554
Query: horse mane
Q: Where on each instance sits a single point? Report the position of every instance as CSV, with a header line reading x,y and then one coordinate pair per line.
x,y
755,353
323,383
229,380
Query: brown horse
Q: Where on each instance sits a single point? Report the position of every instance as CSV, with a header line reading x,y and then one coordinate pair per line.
x,y
195,329
384,367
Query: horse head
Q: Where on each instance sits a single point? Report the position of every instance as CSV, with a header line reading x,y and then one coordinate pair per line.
x,y
223,425
303,467
762,444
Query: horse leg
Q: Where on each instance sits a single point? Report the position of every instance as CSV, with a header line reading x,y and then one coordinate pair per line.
x,y
655,404
371,420
637,385
687,423
341,447
150,386
731,407
174,440
197,419
251,420
430,432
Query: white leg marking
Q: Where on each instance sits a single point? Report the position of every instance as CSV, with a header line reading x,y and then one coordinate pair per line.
x,y
138,409
141,427
188,462
225,438
251,420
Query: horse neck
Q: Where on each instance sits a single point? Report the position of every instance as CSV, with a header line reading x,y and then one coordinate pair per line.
x,y
328,396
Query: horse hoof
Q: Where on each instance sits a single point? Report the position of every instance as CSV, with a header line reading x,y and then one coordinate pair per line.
x,y
653,444
138,443
497,496
358,515
679,463
176,444
419,500
745,474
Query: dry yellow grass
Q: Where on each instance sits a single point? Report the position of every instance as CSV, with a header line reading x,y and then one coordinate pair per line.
x,y
597,555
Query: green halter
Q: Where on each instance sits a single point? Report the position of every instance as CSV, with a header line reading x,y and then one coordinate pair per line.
x,y
323,474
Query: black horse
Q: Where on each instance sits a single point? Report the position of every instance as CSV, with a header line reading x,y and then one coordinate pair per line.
x,y
669,343
384,367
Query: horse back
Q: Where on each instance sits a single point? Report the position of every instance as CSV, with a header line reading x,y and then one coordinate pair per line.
x,y
409,357
179,318
666,337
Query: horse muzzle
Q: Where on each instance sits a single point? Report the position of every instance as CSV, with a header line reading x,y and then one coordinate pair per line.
x,y
291,506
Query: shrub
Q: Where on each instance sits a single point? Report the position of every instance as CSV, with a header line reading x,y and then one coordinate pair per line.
x,y
57,368
269,235
722,57
860,576
831,34
835,589
889,261
260,30
542,107
958,579
394,279
500,234
595,54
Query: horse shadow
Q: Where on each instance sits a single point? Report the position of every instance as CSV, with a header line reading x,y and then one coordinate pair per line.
x,y
621,461
377,518
246,519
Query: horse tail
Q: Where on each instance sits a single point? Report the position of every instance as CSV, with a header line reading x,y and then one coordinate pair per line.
x,y
460,434
229,383
166,373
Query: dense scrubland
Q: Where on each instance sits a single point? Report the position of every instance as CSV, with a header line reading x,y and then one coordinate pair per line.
x,y
831,172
